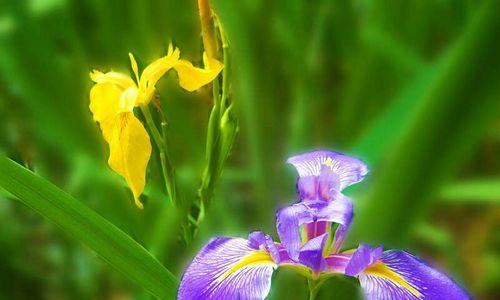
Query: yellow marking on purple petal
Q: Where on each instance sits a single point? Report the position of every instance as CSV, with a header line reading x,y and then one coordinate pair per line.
x,y
255,258
381,270
328,162
303,234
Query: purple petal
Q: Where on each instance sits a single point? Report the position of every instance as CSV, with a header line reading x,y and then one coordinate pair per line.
x,y
339,237
316,229
336,263
289,219
311,254
307,187
400,275
260,240
228,268
363,257
344,169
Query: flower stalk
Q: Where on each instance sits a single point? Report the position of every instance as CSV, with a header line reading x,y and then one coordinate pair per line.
x,y
314,287
222,124
160,139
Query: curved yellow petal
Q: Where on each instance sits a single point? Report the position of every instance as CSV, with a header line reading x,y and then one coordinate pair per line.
x,y
121,80
154,72
192,78
130,150
105,101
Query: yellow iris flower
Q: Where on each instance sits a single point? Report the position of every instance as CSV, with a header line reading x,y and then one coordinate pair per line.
x,y
112,102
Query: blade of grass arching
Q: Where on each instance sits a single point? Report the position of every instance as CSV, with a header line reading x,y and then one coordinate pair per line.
x,y
451,115
110,243
472,191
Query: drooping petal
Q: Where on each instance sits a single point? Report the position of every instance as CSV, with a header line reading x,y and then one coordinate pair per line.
x,y
400,275
226,269
121,80
311,254
363,257
130,150
289,219
345,170
192,78
104,105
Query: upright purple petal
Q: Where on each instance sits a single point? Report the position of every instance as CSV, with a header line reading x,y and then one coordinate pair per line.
x,y
400,275
363,257
344,169
316,229
339,237
311,254
228,268
289,219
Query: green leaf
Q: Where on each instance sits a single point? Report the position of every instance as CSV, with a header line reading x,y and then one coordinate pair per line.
x,y
486,190
445,121
110,243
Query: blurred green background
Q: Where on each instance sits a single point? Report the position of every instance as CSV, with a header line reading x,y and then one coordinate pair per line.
x,y
412,87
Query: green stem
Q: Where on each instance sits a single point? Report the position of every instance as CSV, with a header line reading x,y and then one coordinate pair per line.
x,y
167,168
314,287
152,127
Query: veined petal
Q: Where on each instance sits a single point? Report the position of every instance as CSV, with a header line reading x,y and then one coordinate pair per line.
x,y
105,106
121,80
260,240
339,237
153,72
345,170
192,78
400,275
363,257
289,219
130,150
226,269
311,254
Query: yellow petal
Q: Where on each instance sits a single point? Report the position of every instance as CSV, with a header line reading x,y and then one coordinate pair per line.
x,y
130,150
105,101
192,78
129,99
133,63
154,72
121,80
170,49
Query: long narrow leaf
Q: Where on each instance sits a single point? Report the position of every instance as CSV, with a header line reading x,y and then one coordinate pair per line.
x,y
479,190
459,103
86,226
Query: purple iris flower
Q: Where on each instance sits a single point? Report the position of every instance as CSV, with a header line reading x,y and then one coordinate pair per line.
x,y
312,232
